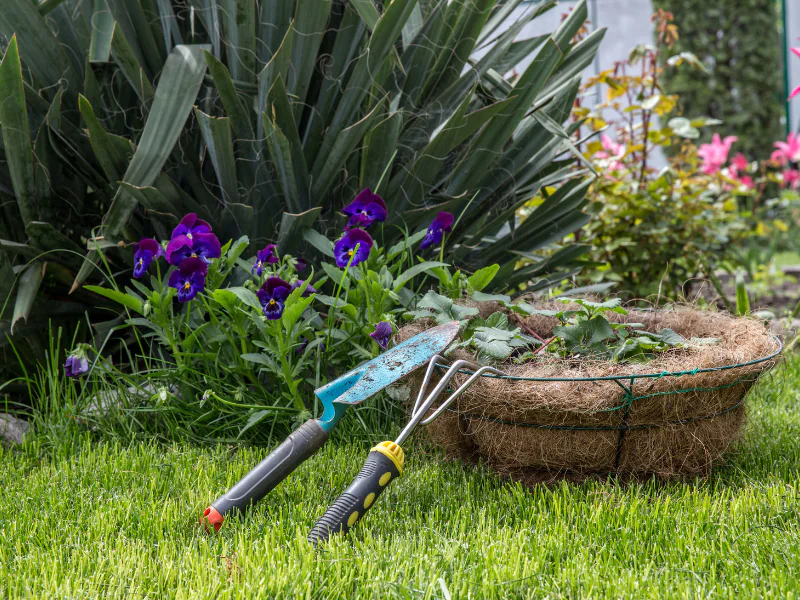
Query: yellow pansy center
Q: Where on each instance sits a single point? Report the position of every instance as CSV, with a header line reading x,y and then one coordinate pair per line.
x,y
187,286
140,262
189,235
272,302
350,253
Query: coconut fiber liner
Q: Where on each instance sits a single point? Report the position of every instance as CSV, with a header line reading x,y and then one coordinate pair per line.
x,y
559,418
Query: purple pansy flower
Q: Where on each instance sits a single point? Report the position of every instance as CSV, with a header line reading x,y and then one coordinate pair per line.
x,y
443,223
365,209
181,246
190,226
144,251
272,296
300,264
382,334
345,247
266,256
76,365
189,279
204,246
308,291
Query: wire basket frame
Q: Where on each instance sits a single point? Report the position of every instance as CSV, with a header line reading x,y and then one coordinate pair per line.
x,y
627,383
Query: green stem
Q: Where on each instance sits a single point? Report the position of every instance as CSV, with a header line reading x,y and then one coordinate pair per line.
x,y
364,283
286,367
332,312
289,377
239,405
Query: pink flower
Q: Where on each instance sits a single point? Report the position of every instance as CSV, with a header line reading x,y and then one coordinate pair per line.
x,y
796,90
791,179
611,150
738,166
739,163
612,147
790,148
778,158
715,154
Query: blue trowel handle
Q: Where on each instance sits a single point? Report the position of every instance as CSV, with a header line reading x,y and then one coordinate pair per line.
x,y
296,448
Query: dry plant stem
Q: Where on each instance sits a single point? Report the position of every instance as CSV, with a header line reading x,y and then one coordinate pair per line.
x,y
545,344
527,329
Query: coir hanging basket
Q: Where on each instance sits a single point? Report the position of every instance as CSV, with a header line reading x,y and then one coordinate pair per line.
x,y
554,417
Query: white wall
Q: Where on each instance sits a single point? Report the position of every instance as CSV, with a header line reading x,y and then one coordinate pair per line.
x,y
627,21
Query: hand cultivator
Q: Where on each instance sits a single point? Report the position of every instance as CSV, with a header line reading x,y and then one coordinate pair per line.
x,y
385,461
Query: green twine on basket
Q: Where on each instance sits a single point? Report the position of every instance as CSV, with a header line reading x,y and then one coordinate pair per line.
x,y
628,396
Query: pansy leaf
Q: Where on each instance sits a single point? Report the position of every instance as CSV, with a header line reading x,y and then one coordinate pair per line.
x,y
406,276
225,298
260,358
246,296
292,312
668,336
406,243
597,330
490,347
125,299
237,248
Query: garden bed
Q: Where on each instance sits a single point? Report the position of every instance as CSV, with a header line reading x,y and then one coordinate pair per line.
x,y
675,414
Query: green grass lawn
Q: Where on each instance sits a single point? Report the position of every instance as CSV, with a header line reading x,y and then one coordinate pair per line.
x,y
115,521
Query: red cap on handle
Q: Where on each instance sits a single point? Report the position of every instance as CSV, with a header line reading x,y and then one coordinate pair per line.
x,y
212,517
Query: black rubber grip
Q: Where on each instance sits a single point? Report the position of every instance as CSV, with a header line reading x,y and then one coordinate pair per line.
x,y
356,500
300,445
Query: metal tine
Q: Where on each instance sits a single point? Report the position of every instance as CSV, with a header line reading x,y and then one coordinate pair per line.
x,y
425,381
461,390
420,409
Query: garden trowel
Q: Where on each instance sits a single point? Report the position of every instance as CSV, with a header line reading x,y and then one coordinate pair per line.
x,y
352,388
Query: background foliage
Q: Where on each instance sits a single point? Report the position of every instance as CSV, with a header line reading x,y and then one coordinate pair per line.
x,y
739,43
667,230
265,119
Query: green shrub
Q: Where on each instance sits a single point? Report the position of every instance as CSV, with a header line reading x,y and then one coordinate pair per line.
x,y
662,231
265,119
739,43
662,235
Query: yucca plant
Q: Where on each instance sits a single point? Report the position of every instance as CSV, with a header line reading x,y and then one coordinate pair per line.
x,y
266,118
